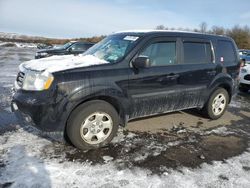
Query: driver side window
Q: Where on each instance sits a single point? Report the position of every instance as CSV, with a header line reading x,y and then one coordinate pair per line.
x,y
161,53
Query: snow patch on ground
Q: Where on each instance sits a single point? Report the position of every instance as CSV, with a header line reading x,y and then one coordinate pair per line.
x,y
239,102
235,104
223,131
107,158
26,45
121,136
18,45
5,100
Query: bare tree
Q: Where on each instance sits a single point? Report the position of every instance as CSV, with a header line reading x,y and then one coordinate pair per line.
x,y
218,30
203,27
160,27
241,36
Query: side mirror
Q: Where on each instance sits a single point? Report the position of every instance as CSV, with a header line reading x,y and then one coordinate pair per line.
x,y
70,50
141,62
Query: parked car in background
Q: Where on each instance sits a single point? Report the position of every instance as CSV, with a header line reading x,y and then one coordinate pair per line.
x,y
72,47
244,55
126,76
244,84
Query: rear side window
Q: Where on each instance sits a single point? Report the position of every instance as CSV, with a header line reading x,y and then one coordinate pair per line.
x,y
197,52
161,53
80,47
225,52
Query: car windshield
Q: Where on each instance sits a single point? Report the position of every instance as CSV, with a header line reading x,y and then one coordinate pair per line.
x,y
113,48
244,52
65,46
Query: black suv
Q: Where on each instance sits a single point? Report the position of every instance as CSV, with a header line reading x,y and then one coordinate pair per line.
x,y
125,76
68,48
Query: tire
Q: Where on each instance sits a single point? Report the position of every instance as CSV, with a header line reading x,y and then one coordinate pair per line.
x,y
92,125
243,89
213,109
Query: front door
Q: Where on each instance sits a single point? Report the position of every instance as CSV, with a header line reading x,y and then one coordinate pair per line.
x,y
156,89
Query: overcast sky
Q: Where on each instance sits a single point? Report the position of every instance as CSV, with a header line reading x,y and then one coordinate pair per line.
x,y
82,18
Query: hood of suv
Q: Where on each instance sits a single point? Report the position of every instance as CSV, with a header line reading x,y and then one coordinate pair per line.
x,y
60,63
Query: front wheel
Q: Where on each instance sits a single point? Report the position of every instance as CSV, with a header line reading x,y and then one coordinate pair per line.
x,y
92,125
217,104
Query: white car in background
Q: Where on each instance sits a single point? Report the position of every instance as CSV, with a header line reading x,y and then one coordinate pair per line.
x,y
245,78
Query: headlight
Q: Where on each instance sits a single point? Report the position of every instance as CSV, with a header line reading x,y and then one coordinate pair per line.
x,y
43,54
37,81
243,70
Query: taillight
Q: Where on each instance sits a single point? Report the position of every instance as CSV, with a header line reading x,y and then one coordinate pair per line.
x,y
242,64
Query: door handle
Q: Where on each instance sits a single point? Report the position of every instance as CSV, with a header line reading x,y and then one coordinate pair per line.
x,y
167,78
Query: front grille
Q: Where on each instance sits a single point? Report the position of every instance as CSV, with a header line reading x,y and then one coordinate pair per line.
x,y
20,78
247,77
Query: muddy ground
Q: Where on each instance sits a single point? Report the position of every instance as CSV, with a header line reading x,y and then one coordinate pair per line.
x,y
157,144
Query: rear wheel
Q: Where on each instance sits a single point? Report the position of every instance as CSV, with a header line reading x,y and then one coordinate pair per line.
x,y
217,104
93,124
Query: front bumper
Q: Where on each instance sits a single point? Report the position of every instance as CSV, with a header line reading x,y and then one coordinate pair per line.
x,y
243,80
40,112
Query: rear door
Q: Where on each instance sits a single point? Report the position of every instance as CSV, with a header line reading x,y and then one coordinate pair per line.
x,y
198,70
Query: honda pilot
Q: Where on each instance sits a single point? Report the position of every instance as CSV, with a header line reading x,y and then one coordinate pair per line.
x,y
127,75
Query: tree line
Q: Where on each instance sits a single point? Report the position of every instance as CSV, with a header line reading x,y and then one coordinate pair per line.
x,y
52,41
240,34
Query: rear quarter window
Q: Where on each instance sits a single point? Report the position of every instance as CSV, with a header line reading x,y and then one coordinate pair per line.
x,y
225,52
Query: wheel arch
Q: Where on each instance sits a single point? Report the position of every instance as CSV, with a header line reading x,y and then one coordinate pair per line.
x,y
113,101
109,99
228,88
225,83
